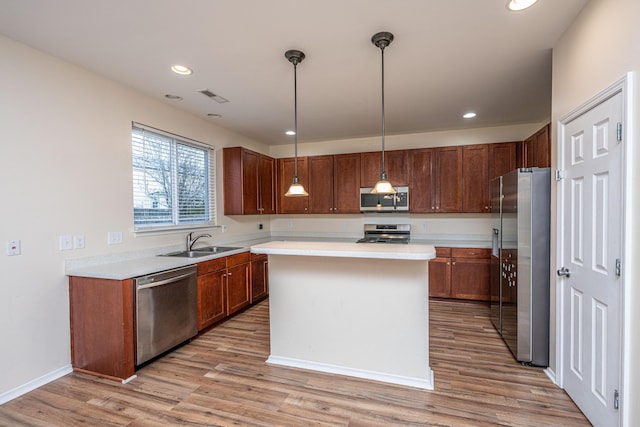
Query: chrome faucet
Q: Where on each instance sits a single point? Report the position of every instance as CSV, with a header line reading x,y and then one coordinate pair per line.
x,y
191,240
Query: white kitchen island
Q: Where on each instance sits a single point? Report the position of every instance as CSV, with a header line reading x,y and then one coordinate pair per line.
x,y
352,309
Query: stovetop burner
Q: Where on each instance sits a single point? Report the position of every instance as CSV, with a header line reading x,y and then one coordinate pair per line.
x,y
386,233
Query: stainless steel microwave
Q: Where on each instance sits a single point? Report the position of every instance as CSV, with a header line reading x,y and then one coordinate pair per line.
x,y
398,202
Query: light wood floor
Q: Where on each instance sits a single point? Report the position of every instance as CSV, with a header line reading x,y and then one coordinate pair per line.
x,y
221,379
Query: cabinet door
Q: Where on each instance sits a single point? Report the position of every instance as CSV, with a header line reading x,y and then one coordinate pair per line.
x,y
249,182
292,205
440,277
542,148
395,165
237,287
320,184
346,183
250,195
232,180
475,174
259,278
211,307
448,179
267,183
421,198
470,278
502,158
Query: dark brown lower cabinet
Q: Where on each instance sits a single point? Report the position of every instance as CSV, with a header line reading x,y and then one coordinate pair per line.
x,y
460,273
440,274
211,292
259,277
102,340
238,287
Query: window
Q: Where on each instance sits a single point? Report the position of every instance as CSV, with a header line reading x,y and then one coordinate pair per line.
x,y
173,181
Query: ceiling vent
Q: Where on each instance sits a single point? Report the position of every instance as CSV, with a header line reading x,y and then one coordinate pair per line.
x,y
217,98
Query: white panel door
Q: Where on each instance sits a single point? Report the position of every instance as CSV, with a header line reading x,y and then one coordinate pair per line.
x,y
590,245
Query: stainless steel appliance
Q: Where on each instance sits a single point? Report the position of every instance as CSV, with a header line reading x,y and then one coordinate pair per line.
x,y
398,202
166,311
386,233
520,262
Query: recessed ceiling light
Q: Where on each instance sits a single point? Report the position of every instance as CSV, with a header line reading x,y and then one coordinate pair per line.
x,y
175,97
181,69
516,5
290,132
469,115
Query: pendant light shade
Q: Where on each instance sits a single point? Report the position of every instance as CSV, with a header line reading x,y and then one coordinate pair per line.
x,y
296,189
383,186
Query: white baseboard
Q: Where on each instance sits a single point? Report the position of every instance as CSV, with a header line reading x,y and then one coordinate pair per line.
x,y
551,374
34,384
422,383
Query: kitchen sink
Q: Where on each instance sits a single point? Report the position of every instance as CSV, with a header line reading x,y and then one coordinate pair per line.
x,y
200,252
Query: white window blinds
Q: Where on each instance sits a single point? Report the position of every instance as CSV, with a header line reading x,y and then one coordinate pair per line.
x,y
173,180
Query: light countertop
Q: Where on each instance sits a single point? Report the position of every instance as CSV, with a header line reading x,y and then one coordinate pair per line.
x,y
347,250
126,266
126,269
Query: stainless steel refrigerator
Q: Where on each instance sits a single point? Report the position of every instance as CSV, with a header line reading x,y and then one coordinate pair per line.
x,y
520,206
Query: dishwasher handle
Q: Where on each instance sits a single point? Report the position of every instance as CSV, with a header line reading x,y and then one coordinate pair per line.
x,y
163,282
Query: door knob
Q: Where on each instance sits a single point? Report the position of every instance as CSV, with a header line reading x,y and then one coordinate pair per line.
x,y
564,272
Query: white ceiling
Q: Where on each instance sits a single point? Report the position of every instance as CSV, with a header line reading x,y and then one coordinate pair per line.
x,y
448,57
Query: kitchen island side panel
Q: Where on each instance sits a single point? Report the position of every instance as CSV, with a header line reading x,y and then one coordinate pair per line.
x,y
360,316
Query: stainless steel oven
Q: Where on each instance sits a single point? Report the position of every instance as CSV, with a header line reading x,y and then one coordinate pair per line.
x,y
166,311
398,202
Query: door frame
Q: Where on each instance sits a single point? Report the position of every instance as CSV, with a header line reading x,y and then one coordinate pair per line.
x,y
625,86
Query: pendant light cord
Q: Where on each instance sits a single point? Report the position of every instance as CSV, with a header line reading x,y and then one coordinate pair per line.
x,y
295,119
383,173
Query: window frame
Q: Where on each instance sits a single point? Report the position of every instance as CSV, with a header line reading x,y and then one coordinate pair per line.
x,y
210,167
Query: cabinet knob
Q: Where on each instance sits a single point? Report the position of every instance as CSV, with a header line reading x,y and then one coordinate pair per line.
x,y
229,274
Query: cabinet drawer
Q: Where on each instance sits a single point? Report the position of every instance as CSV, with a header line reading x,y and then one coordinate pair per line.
x,y
236,259
258,256
212,265
443,252
471,253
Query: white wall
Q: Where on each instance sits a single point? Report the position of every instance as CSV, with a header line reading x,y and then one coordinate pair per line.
x,y
65,168
599,48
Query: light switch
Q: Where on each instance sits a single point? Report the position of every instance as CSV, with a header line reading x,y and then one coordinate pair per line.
x,y
114,237
78,242
66,242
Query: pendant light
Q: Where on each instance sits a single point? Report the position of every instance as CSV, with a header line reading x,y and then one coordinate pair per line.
x,y
296,189
383,186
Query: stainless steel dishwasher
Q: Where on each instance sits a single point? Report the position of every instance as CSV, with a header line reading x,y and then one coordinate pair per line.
x,y
166,311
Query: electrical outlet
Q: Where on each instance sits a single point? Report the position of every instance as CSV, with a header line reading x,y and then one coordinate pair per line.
x,y
13,247
78,242
114,237
224,228
424,226
260,226
66,242
290,223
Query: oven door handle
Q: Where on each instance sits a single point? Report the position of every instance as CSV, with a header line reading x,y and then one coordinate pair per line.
x,y
163,282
